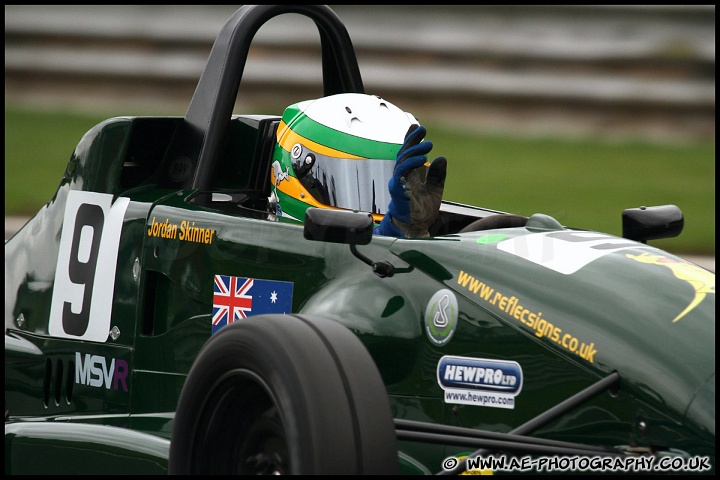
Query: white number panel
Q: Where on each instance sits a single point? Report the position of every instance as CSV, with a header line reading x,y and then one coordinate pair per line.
x,y
85,274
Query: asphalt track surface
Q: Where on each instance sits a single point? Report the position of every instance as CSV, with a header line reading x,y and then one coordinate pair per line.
x,y
13,224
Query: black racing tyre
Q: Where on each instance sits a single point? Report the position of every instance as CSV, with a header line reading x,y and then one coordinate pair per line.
x,y
283,394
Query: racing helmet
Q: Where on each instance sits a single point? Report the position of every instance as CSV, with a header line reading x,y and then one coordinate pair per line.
x,y
337,152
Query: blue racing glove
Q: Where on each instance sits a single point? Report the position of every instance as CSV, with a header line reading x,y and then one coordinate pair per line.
x,y
415,188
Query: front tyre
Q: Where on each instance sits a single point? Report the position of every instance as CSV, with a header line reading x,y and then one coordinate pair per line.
x,y
283,394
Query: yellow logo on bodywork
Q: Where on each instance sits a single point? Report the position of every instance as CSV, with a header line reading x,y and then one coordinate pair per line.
x,y
700,279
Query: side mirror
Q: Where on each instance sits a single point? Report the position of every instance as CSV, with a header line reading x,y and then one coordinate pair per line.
x,y
344,226
652,223
338,226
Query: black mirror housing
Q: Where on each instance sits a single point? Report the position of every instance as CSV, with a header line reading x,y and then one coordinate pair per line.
x,y
652,223
338,226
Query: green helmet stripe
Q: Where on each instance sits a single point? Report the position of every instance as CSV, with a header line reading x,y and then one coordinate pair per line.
x,y
292,205
330,138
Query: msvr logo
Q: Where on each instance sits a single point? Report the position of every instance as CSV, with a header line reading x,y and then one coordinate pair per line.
x,y
94,371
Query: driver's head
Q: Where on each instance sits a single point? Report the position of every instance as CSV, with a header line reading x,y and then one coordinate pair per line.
x,y
337,151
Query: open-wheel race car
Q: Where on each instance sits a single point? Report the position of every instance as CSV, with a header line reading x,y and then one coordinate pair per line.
x,y
162,316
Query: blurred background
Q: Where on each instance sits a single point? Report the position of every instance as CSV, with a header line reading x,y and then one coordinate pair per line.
x,y
621,94
648,70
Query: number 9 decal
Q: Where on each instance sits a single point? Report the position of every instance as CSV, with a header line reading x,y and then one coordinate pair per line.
x,y
85,275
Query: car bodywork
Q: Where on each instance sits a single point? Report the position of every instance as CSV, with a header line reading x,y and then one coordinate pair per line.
x,y
498,333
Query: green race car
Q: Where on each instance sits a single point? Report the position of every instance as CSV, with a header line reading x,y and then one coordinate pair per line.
x,y
163,316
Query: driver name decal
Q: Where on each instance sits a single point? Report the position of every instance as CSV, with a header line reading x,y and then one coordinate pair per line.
x,y
186,231
479,381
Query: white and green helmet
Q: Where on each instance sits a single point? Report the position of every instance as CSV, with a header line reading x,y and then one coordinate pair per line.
x,y
337,152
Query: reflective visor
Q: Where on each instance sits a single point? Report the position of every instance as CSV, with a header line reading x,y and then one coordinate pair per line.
x,y
355,184
338,178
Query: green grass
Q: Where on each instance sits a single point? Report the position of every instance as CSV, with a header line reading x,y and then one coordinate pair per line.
x,y
38,145
582,183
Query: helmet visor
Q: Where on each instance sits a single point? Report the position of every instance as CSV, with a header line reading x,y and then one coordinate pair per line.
x,y
350,183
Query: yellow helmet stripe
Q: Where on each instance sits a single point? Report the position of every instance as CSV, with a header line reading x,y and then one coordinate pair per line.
x,y
295,189
292,187
287,138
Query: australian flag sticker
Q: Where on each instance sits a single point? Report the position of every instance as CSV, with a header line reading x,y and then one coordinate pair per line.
x,y
235,298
